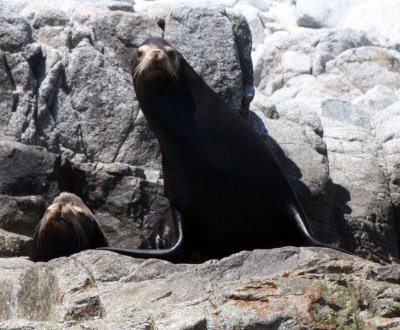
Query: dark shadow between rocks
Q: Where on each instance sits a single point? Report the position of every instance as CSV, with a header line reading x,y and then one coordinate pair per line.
x,y
71,179
397,223
37,64
326,220
341,208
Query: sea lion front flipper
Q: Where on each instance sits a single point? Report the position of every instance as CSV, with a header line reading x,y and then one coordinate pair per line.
x,y
165,233
165,241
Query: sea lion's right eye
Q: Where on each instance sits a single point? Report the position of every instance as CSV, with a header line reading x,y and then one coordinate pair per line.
x,y
171,54
139,53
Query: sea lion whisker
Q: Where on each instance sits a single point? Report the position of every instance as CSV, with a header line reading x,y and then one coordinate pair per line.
x,y
40,229
259,209
168,67
63,231
137,72
80,237
39,234
77,230
143,65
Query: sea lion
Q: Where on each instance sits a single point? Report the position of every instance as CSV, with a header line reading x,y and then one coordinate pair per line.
x,y
226,188
67,227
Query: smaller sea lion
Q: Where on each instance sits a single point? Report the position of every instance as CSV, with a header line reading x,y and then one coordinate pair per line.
x,y
67,227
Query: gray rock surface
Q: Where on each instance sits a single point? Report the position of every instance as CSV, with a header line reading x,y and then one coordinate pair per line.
x,y
326,100
339,94
66,87
12,244
314,13
378,18
287,288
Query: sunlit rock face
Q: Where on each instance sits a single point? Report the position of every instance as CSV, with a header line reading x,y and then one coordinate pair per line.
x,y
69,116
326,88
285,288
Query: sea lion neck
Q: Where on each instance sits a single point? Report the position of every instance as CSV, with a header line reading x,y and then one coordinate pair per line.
x,y
166,105
148,88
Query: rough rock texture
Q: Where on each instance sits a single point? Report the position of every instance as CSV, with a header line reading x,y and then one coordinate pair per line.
x,y
66,87
335,95
327,101
12,244
287,288
378,18
127,204
65,72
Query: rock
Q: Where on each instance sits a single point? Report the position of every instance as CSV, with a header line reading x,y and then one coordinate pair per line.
x,y
12,245
25,170
377,98
362,193
93,289
339,101
67,85
295,136
346,112
32,177
366,67
21,214
386,123
313,14
123,201
252,15
379,20
296,63
291,55
327,102
15,31
280,16
262,103
69,118
27,183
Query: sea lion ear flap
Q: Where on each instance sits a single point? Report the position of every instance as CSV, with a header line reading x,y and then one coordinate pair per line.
x,y
99,239
133,63
182,63
180,57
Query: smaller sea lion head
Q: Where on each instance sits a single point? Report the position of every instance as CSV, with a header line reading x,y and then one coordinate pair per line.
x,y
67,227
155,59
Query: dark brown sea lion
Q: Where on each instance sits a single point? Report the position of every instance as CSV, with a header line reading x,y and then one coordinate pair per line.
x,y
226,188
67,227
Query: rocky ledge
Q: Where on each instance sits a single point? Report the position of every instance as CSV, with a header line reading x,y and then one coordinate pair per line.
x,y
327,101
287,288
326,98
69,119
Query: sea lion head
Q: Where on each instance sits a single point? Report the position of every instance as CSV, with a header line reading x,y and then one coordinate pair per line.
x,y
156,59
67,227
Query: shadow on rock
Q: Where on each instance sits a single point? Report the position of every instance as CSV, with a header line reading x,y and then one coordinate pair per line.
x,y
327,220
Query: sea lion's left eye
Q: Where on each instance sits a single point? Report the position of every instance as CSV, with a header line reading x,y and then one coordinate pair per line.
x,y
171,53
139,53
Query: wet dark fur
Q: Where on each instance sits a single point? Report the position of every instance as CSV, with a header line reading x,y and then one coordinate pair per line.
x,y
67,227
224,183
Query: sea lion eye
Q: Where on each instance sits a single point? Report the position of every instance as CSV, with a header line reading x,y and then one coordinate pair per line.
x,y
171,53
139,53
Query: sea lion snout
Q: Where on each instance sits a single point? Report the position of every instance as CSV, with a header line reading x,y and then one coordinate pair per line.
x,y
67,227
156,53
155,58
